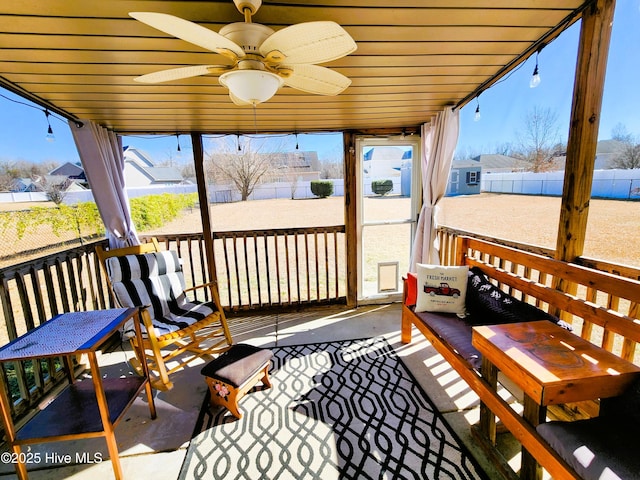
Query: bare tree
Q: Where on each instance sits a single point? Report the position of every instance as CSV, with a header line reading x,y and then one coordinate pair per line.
x,y
539,139
244,167
466,153
332,170
8,175
332,164
627,154
188,170
504,148
55,190
620,133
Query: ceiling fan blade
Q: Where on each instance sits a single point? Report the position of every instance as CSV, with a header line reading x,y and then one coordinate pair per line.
x,y
191,32
316,79
310,42
238,101
180,73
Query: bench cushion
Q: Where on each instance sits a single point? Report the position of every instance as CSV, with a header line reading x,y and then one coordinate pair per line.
x,y
238,364
627,404
602,448
454,331
488,305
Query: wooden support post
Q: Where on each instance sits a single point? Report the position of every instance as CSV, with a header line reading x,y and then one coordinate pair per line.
x,y
350,218
593,50
203,197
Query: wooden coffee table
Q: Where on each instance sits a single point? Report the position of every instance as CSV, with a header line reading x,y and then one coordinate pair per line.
x,y
552,366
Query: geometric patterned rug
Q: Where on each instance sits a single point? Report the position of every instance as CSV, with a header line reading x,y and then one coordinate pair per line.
x,y
338,410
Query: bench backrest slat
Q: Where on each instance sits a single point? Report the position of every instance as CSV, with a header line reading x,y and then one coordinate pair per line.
x,y
601,299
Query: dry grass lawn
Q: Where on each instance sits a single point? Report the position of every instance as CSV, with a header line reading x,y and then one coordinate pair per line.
x,y
612,233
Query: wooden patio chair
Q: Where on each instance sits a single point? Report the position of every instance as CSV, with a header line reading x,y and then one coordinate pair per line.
x,y
173,325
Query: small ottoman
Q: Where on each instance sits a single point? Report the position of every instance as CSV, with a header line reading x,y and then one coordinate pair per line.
x,y
234,373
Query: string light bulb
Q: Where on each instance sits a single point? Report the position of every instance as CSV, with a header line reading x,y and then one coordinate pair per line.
x,y
239,147
50,137
476,116
178,140
535,78
297,148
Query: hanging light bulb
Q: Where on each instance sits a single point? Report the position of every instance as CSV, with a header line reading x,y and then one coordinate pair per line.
x,y
296,141
239,147
178,140
535,78
50,137
476,116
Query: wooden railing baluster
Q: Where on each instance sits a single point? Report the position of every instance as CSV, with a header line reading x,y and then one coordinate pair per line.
x,y
276,247
265,242
288,267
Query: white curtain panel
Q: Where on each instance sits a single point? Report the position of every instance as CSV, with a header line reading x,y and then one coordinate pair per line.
x,y
439,139
102,158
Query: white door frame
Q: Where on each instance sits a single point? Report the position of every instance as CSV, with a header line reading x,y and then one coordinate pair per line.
x,y
416,196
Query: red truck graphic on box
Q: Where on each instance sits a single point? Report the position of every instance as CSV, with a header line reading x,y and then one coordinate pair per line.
x,y
442,289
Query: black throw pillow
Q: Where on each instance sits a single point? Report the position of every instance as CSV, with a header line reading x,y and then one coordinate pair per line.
x,y
486,304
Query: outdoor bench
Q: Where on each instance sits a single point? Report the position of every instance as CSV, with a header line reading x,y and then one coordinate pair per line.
x,y
560,290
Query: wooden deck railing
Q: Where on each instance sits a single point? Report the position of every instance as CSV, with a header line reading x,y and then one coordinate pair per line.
x,y
259,269
255,270
597,334
36,290
447,237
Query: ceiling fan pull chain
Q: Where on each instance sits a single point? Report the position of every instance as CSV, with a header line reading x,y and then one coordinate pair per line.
x,y
255,117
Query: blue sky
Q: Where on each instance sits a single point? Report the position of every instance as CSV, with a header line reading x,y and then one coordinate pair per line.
x,y
502,107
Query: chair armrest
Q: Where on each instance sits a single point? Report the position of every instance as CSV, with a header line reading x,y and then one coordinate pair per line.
x,y
196,287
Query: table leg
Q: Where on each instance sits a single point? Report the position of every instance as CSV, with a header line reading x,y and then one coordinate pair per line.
x,y
10,430
487,418
144,366
107,426
534,414
68,365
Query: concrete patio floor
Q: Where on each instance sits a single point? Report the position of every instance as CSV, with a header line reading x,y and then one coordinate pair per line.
x,y
156,448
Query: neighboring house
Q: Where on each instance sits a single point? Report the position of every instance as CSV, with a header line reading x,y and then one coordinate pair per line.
x,y
71,171
60,182
42,184
140,171
382,162
464,178
465,174
606,152
25,185
496,163
286,166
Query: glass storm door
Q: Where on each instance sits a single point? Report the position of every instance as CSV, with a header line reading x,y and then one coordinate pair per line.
x,y
388,170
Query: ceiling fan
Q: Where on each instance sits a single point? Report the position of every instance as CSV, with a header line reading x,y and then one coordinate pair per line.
x,y
261,60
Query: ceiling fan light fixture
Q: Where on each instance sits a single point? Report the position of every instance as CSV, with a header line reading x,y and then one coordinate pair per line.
x,y
252,86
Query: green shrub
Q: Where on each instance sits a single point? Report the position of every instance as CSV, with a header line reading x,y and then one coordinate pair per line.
x,y
322,188
152,211
147,212
382,187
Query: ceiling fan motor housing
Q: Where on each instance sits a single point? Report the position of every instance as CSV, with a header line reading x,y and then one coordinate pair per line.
x,y
248,35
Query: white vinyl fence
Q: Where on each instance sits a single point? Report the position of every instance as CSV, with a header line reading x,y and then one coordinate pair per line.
x,y
217,193
613,183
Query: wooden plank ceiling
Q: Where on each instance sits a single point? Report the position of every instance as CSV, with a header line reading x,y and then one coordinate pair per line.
x,y
414,57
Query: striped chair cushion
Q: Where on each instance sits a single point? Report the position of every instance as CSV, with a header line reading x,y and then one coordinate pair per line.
x,y
155,280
